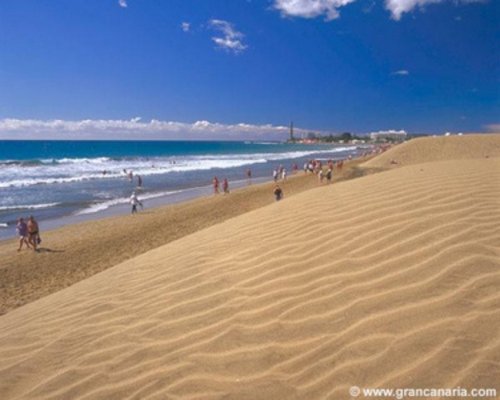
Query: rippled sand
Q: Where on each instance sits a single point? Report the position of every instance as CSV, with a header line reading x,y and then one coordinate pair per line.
x,y
390,280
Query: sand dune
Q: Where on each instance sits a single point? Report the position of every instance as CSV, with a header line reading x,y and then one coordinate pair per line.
x,y
390,280
441,148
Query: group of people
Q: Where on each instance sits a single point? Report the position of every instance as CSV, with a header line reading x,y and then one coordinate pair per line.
x,y
216,185
28,233
225,185
279,173
134,200
316,167
130,176
278,192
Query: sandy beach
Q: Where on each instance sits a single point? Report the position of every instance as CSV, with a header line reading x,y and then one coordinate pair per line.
x,y
388,280
77,251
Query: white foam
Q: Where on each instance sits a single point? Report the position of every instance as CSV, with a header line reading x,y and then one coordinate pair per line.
x,y
28,206
4,225
71,170
52,180
124,200
102,206
96,160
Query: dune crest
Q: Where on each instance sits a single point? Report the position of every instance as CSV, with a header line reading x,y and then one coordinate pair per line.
x,y
427,149
390,280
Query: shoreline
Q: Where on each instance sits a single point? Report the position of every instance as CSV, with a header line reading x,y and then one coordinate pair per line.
x,y
73,252
122,209
93,192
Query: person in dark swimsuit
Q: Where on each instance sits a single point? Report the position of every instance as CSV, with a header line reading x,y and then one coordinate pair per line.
x,y
33,232
215,183
278,193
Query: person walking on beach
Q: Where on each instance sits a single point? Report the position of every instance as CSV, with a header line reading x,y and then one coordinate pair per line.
x,y
278,193
225,186
310,167
134,200
319,166
215,183
33,232
283,174
275,175
329,175
249,176
22,232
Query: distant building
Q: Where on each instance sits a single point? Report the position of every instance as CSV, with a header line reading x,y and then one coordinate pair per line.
x,y
391,135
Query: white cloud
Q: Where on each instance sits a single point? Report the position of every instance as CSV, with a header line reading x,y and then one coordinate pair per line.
x,y
135,128
330,8
399,7
310,8
231,39
123,3
401,72
186,26
493,128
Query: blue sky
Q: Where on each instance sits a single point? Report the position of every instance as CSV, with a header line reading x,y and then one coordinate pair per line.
x,y
237,68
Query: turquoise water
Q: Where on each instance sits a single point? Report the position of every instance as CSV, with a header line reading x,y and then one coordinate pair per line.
x,y
54,150
54,179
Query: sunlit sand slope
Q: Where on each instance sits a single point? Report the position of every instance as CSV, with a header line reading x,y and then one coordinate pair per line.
x,y
428,149
391,280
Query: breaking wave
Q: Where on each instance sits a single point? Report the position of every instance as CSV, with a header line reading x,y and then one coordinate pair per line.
x,y
70,170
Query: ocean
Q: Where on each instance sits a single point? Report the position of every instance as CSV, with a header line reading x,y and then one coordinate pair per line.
x,y
68,181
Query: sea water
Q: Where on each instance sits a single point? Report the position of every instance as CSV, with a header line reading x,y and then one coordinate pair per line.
x,y
58,179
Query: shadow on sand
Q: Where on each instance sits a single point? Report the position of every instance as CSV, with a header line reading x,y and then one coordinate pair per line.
x,y
47,250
